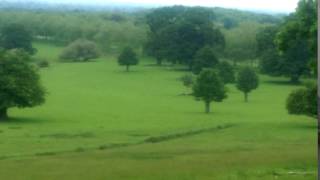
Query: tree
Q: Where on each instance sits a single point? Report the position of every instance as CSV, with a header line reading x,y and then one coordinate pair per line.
x,y
247,81
128,58
205,58
303,101
209,87
297,40
177,33
20,83
16,36
154,47
226,72
80,50
296,60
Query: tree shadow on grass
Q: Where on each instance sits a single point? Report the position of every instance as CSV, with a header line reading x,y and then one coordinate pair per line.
x,y
22,120
282,82
303,126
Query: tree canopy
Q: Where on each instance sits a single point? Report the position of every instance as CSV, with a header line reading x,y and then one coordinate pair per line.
x,y
297,40
128,58
20,82
178,32
303,101
209,87
247,81
205,58
80,50
16,36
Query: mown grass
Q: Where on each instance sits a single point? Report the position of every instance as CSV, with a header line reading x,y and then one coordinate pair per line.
x,y
98,119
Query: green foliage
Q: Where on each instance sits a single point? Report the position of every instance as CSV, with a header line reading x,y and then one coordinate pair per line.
x,y
209,87
265,39
229,23
62,28
241,44
270,59
247,81
16,36
177,33
79,51
296,60
303,101
20,83
270,62
226,72
205,58
128,58
297,40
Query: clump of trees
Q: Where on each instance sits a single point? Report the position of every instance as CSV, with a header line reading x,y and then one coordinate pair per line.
x,y
247,81
20,82
177,33
303,101
128,58
291,49
16,36
209,87
80,50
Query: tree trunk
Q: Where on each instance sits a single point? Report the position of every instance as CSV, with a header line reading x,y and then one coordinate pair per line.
x,y
159,62
127,69
245,97
3,114
207,107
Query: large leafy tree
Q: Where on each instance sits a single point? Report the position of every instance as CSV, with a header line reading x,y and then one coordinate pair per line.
x,y
20,82
209,87
177,33
297,40
16,36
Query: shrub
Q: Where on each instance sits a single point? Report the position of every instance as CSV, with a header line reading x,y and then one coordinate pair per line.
x,y
80,50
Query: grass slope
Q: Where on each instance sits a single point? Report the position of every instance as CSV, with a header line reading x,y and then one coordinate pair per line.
x,y
99,122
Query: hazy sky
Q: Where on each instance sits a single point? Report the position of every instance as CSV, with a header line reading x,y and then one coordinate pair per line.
x,y
270,5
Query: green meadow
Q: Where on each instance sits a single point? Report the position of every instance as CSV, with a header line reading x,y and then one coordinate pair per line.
x,y
100,122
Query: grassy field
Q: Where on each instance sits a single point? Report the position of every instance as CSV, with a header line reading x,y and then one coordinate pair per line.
x,y
100,122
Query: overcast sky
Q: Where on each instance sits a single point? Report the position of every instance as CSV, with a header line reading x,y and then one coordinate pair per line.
x,y
269,5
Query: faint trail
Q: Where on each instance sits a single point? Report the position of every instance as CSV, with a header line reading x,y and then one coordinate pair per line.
x,y
149,140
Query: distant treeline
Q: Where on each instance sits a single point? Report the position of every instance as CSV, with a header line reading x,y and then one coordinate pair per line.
x,y
113,30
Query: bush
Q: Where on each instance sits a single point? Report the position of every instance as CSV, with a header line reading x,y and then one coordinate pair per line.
x,y
43,64
80,50
303,101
